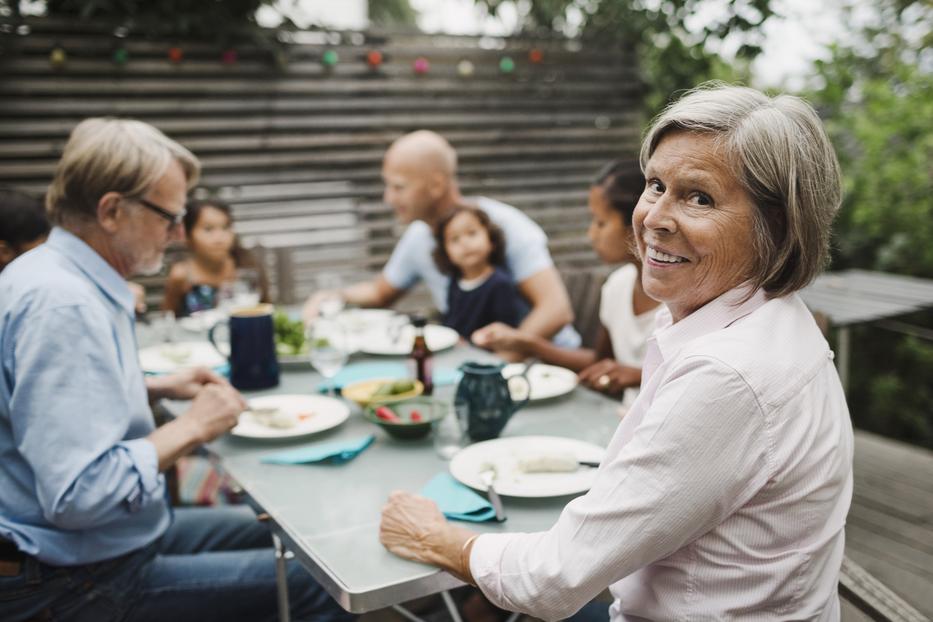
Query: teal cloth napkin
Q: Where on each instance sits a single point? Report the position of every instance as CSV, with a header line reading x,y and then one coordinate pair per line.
x,y
456,501
222,370
333,452
358,372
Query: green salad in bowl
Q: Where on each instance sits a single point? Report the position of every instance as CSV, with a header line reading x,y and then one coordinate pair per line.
x,y
289,335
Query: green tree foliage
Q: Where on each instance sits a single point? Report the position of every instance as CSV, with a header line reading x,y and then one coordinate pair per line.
x,y
391,13
876,94
674,51
213,19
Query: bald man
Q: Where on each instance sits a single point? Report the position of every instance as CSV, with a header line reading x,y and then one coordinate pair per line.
x,y
419,171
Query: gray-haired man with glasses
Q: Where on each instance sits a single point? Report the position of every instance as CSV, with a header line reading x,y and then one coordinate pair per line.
x,y
85,530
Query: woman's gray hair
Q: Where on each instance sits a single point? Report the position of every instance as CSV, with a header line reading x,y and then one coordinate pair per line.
x,y
112,155
781,155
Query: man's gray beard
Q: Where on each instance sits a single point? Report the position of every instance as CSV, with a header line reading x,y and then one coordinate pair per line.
x,y
154,268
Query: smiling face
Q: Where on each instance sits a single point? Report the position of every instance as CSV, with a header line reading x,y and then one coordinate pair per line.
x,y
212,235
693,224
467,243
608,233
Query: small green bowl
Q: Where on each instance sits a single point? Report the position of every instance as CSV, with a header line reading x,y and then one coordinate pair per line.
x,y
430,409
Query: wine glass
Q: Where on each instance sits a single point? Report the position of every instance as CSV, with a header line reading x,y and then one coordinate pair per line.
x,y
327,347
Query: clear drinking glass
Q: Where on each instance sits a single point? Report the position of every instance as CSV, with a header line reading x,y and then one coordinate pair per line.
x,y
449,434
332,303
327,347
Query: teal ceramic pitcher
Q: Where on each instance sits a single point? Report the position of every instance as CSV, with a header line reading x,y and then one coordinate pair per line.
x,y
483,400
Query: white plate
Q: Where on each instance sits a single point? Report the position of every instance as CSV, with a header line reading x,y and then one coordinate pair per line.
x,y
504,453
438,338
170,357
546,381
326,413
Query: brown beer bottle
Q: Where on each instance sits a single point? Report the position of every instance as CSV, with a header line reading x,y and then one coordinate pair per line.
x,y
421,354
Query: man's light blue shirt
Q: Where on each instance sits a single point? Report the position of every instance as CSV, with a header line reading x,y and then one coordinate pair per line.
x,y
526,254
80,483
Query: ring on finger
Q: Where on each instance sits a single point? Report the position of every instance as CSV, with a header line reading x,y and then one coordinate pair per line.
x,y
603,381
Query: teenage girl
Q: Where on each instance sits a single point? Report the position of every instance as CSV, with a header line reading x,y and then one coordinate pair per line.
x,y
194,284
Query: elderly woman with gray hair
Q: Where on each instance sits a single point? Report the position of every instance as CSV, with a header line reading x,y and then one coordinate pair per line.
x,y
724,491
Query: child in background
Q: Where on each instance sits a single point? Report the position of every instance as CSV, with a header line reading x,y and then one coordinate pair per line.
x,y
23,224
471,250
194,284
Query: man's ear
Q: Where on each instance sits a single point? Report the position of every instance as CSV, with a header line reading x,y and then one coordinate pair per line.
x,y
110,211
438,183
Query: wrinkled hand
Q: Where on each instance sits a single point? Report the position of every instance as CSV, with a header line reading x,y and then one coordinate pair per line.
x,y
411,527
498,336
185,385
214,411
610,377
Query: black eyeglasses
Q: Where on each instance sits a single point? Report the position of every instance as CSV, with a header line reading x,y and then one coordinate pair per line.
x,y
174,218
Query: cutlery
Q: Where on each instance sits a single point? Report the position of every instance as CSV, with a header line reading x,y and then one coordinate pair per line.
x,y
488,475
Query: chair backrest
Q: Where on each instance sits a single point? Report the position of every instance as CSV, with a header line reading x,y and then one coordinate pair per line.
x,y
584,287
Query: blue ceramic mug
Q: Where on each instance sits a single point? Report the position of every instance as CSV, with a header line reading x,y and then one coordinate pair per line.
x,y
253,363
484,401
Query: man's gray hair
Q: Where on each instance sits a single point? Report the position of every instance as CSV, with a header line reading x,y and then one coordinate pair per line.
x,y
112,155
781,155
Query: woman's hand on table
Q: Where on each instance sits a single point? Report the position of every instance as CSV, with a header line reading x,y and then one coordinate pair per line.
x,y
609,376
414,528
183,385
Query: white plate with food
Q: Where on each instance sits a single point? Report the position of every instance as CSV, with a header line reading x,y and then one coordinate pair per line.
x,y
398,342
289,416
529,466
547,381
166,358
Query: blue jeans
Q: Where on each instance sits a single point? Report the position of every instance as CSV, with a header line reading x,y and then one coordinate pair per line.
x,y
211,564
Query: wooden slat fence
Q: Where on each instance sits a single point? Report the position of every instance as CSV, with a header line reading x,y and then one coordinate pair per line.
x,y
297,147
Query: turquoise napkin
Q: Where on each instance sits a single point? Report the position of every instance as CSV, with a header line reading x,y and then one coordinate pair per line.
x,y
333,452
456,501
221,370
358,372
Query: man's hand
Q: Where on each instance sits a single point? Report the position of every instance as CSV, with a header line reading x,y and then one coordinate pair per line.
x,y
214,411
318,302
498,336
184,385
609,376
139,297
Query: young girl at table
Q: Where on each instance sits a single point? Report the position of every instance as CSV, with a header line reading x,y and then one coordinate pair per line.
x,y
626,313
471,251
195,284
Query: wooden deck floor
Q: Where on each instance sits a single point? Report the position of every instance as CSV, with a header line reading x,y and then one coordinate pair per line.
x,y
890,527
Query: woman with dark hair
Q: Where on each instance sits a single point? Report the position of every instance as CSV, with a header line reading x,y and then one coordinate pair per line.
x,y
626,313
194,283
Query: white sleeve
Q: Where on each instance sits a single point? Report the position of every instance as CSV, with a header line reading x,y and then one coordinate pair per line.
x,y
699,454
